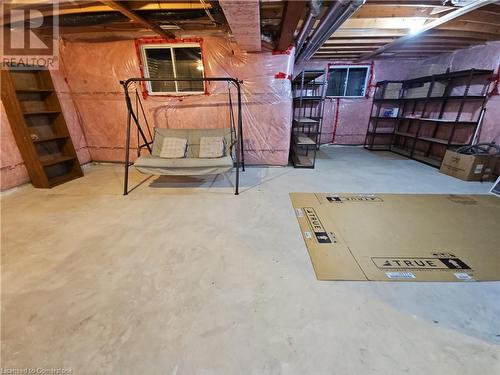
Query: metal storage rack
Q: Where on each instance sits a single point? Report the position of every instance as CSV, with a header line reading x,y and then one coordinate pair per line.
x,y
430,116
308,89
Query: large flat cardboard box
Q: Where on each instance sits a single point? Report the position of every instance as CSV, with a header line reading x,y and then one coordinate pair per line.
x,y
466,167
401,237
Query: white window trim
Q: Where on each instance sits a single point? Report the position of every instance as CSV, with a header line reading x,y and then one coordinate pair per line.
x,y
170,46
345,88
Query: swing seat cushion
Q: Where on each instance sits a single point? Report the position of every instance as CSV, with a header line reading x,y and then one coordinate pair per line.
x,y
184,166
191,165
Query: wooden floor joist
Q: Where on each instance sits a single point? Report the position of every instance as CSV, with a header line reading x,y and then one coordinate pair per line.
x,y
429,26
134,16
292,13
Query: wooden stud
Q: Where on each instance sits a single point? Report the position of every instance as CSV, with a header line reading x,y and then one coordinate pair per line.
x,y
292,13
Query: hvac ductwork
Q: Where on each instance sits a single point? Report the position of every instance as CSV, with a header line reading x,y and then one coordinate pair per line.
x,y
314,10
336,14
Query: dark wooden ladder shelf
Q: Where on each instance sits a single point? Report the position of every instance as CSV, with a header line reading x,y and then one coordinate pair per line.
x,y
39,128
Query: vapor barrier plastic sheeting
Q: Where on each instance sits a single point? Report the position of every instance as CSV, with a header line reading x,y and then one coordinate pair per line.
x,y
93,72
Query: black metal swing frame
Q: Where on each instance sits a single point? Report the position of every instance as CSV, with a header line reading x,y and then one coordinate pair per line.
x,y
132,115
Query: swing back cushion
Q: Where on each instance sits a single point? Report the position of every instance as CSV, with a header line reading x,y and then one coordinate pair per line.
x,y
192,164
173,147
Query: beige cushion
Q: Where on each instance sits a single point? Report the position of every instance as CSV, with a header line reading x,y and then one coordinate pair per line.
x,y
193,136
150,164
211,147
173,148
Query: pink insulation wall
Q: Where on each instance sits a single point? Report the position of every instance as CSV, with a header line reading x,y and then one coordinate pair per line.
x,y
348,118
480,57
93,72
87,84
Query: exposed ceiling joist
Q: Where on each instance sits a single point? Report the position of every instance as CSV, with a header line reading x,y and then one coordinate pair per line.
x,y
292,13
429,26
370,48
349,41
131,14
409,22
391,11
384,33
465,26
371,10
375,42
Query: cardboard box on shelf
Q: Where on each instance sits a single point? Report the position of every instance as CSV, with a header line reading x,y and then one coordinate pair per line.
x,y
422,91
425,70
390,112
392,90
468,167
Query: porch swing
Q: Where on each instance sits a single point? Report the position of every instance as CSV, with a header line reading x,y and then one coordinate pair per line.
x,y
192,164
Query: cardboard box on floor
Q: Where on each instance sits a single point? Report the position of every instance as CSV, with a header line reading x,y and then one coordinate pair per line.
x,y
469,167
391,237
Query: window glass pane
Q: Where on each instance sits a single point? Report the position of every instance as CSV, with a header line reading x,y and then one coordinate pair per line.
x,y
356,82
159,63
336,81
188,64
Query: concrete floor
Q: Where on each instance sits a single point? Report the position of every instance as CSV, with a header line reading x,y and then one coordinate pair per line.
x,y
182,277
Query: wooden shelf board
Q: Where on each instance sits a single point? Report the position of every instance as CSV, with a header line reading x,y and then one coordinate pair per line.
x,y
427,160
453,97
433,140
446,76
309,83
302,139
31,90
391,132
440,141
36,113
315,97
408,135
443,121
301,161
309,75
53,138
401,151
58,180
305,120
378,147
48,161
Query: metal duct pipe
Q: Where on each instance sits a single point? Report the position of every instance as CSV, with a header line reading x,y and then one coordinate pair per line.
x,y
314,10
335,16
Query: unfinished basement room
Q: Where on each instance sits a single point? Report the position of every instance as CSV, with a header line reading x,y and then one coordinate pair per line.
x,y
250,187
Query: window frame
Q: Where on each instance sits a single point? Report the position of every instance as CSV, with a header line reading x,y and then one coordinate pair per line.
x,y
171,47
349,66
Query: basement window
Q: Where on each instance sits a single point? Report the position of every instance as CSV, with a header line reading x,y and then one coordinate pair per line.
x,y
347,81
170,61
